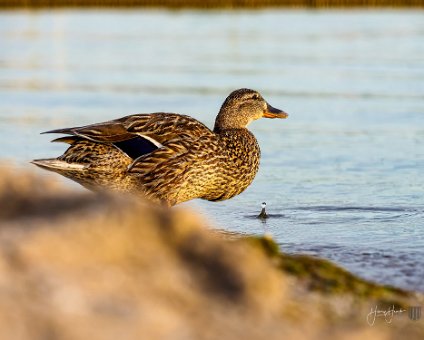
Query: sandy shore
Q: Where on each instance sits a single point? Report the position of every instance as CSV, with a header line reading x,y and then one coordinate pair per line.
x,y
74,265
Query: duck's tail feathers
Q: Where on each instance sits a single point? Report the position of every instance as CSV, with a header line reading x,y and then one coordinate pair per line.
x,y
68,139
67,131
57,165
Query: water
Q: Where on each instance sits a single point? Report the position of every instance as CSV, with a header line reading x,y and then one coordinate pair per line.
x,y
343,176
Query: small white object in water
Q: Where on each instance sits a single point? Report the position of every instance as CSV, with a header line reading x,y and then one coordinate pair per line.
x,y
263,212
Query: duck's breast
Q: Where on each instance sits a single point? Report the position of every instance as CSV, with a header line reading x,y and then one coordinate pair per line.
x,y
237,166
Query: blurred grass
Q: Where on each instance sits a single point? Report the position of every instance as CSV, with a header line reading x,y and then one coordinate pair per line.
x,y
210,3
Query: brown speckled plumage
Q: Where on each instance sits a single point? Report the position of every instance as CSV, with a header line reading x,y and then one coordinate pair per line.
x,y
168,157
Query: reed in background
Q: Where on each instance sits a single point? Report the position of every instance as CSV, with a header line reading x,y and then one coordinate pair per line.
x,y
211,3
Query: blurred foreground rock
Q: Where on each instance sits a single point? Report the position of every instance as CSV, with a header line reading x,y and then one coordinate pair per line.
x,y
74,265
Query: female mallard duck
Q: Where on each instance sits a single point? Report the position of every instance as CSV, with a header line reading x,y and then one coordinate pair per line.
x,y
167,157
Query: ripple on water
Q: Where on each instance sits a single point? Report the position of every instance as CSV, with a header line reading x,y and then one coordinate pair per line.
x,y
356,208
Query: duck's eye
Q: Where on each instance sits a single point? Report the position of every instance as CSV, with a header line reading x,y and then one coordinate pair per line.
x,y
255,97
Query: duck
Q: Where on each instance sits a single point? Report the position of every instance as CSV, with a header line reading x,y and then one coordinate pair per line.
x,y
168,158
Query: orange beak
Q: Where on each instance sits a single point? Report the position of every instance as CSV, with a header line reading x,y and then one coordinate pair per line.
x,y
272,112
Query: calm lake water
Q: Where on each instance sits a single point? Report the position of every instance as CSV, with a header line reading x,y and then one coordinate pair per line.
x,y
343,176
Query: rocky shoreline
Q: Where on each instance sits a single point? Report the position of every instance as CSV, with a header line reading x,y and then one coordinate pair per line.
x,y
75,265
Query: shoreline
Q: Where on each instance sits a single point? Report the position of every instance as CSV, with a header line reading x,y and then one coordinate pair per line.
x,y
117,263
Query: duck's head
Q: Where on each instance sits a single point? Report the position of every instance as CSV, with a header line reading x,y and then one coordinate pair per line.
x,y
242,107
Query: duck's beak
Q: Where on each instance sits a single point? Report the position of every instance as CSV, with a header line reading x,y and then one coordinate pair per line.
x,y
272,112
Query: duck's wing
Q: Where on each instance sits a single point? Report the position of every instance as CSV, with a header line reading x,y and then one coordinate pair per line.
x,y
106,132
167,134
182,139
